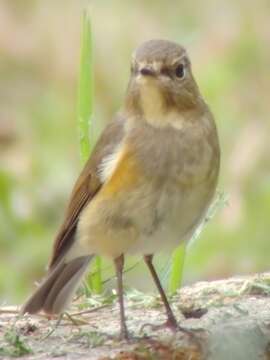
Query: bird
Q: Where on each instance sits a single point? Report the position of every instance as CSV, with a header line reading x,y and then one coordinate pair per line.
x,y
147,184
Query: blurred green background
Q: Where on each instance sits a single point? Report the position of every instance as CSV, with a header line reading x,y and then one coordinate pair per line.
x,y
39,154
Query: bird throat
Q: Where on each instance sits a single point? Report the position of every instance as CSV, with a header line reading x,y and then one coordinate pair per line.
x,y
152,103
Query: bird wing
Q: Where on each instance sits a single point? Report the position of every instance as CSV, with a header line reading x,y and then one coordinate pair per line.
x,y
86,187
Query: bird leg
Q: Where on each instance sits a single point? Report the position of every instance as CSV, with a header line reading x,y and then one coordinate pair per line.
x,y
119,265
171,320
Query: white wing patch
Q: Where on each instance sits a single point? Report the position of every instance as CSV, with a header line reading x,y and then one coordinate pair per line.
x,y
108,164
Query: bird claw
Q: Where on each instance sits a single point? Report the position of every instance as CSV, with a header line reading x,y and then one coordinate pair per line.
x,y
169,323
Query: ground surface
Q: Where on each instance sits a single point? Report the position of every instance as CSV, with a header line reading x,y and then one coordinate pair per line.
x,y
230,319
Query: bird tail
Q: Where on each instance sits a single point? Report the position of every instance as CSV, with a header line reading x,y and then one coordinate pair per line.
x,y
56,291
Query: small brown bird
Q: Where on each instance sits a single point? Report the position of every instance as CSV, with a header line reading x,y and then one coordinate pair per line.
x,y
147,184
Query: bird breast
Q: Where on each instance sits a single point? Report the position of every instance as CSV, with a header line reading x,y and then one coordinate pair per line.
x,y
157,185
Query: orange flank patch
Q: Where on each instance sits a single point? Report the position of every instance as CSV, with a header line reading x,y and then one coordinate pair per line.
x,y
126,174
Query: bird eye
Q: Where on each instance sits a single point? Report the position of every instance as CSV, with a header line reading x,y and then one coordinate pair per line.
x,y
180,71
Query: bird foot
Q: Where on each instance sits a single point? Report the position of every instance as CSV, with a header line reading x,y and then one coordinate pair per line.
x,y
169,323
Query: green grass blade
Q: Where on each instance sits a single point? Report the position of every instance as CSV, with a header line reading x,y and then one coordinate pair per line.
x,y
176,275
85,114
85,88
96,277
176,265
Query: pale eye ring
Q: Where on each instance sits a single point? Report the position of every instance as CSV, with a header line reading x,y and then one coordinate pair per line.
x,y
180,71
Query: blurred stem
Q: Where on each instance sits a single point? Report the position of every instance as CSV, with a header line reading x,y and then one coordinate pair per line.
x,y
176,276
85,113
